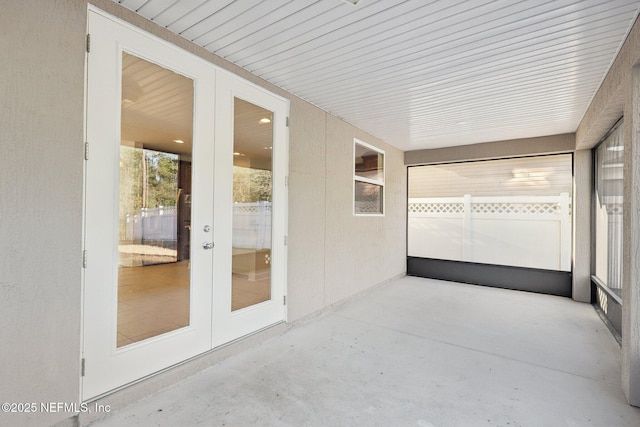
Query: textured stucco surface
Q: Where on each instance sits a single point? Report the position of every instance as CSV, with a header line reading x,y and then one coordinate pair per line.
x,y
361,250
631,245
581,206
41,140
307,176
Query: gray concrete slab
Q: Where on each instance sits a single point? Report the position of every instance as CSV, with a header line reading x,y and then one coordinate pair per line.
x,y
416,352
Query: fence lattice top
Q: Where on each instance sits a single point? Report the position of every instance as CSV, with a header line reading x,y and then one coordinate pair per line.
x,y
534,205
257,207
515,208
436,207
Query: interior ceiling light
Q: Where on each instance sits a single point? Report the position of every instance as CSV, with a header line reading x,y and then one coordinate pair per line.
x,y
616,148
238,154
178,141
268,148
265,120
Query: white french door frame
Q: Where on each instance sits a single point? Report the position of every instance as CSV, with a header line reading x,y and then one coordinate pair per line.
x,y
212,324
229,325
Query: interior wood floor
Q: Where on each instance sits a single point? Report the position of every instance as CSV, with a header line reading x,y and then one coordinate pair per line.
x,y
154,299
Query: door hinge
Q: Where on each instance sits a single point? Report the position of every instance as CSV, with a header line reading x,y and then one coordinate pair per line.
x,y
285,240
88,43
86,151
286,181
82,368
84,259
287,121
284,300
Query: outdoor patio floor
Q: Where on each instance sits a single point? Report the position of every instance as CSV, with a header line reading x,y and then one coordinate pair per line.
x,y
414,352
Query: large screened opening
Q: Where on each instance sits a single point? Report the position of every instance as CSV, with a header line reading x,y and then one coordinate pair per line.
x,y
513,215
607,226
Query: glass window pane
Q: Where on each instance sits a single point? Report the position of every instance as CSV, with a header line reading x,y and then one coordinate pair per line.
x,y
368,198
155,201
368,163
513,212
252,196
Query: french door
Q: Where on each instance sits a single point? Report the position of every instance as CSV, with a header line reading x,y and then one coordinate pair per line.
x,y
185,207
250,122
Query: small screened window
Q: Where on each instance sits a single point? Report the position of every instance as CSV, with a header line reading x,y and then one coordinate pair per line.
x,y
368,177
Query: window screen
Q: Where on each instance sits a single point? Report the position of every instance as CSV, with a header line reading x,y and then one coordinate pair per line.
x,y
513,212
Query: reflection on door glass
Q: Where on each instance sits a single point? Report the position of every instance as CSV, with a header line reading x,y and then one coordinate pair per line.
x,y
252,194
155,201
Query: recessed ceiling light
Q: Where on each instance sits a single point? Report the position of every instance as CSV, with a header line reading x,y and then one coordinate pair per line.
x,y
616,148
238,154
265,120
178,141
268,148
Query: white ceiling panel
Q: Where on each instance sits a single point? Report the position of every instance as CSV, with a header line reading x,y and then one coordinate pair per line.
x,y
419,73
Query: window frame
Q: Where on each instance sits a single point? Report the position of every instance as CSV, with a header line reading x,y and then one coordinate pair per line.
x,y
377,182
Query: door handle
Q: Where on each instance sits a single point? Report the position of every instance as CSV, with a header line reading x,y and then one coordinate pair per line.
x,y
207,245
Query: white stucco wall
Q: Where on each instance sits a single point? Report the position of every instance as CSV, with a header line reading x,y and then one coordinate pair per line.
x,y
41,134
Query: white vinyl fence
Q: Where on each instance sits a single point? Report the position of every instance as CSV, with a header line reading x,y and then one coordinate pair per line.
x,y
252,225
525,231
157,226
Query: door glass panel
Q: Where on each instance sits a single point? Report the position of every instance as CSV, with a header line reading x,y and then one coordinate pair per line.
x,y
252,194
155,201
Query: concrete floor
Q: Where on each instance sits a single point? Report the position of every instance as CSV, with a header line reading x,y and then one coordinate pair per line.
x,y
415,352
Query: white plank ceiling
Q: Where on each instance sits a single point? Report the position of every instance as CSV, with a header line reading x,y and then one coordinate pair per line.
x,y
419,73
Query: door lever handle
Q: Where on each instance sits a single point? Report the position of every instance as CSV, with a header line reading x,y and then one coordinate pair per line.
x,y
207,245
